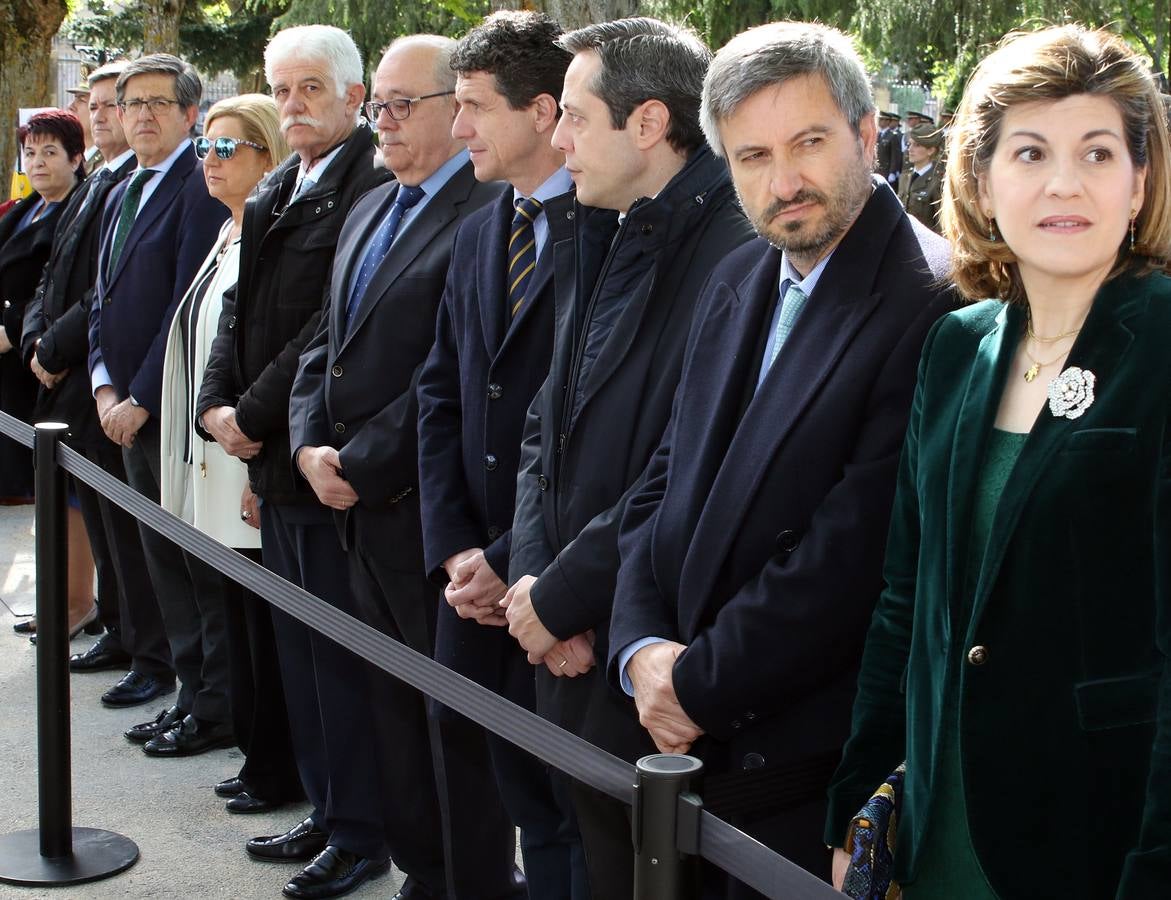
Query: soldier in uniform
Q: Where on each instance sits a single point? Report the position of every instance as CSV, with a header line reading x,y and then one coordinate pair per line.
x,y
921,185
889,152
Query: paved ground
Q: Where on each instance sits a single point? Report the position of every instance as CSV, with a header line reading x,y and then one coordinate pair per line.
x,y
190,847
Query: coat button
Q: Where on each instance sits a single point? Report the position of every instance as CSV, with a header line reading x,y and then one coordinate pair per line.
x,y
978,655
542,482
736,724
339,427
336,371
787,541
494,532
647,229
491,462
8,304
494,391
752,761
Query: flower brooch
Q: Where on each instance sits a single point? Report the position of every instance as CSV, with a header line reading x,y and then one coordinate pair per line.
x,y
1071,393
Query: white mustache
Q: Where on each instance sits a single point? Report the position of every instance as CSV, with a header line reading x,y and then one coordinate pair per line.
x,y
300,120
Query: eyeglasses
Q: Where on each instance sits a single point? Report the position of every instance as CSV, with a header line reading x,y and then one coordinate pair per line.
x,y
156,105
399,108
225,147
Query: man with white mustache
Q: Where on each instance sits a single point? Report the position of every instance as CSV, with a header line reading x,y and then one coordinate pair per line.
x,y
289,236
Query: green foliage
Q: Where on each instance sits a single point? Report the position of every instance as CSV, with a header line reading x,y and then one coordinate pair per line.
x,y
375,23
719,20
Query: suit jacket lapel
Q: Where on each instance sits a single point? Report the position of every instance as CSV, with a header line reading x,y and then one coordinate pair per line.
x,y
348,259
420,231
158,203
1101,348
821,336
492,274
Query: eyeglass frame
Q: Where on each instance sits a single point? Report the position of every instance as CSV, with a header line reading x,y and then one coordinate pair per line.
x,y
378,106
236,142
135,107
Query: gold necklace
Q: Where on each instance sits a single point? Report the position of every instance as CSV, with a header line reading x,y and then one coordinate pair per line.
x,y
1049,340
1037,365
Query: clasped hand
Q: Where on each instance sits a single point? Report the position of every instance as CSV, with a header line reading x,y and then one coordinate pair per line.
x,y
474,590
220,421
651,671
322,468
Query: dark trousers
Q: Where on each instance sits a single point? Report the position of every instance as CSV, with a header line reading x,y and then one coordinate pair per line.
x,y
190,596
429,764
549,841
326,686
139,621
260,719
89,502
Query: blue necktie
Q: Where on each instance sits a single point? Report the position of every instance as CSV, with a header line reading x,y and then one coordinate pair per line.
x,y
792,302
380,246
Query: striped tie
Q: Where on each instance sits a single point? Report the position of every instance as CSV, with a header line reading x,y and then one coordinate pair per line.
x,y
522,251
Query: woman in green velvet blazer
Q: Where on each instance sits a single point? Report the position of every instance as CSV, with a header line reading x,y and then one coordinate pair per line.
x,y
1018,658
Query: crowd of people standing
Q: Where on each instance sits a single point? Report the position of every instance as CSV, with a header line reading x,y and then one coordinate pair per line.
x,y
613,374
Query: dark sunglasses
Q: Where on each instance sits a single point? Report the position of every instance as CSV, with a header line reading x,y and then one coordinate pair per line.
x,y
225,147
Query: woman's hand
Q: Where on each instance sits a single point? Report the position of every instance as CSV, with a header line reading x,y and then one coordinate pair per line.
x,y
840,864
250,507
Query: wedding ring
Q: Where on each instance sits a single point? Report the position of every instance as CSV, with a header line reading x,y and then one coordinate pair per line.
x,y
564,662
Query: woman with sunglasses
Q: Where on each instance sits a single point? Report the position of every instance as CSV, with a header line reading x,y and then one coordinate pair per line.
x,y
1018,658
241,144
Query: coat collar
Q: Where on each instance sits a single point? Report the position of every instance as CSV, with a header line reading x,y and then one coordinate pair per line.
x,y
1101,348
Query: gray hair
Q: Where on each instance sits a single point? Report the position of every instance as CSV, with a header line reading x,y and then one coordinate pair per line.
x,y
444,48
323,43
645,59
769,55
106,72
188,87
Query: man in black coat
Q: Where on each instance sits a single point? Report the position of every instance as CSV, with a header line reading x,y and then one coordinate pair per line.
x,y
655,212
493,341
157,228
353,420
752,552
889,150
289,237
55,342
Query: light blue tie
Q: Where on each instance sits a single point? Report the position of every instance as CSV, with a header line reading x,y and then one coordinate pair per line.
x,y
792,302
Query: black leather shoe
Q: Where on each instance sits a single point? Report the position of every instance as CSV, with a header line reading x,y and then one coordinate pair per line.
x,y
189,737
303,841
100,657
164,721
230,787
333,873
245,802
413,889
136,688
28,626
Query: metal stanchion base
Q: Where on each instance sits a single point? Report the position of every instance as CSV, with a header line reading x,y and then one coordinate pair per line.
x,y
97,854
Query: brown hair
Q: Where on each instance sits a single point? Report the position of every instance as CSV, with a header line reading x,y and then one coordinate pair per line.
x,y
1051,64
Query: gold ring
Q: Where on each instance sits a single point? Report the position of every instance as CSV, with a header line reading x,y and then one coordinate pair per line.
x,y
564,662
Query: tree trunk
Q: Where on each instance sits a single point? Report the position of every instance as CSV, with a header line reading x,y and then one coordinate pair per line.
x,y
160,26
26,48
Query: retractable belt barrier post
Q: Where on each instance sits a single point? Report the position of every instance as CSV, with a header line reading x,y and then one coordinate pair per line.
x,y
671,820
56,853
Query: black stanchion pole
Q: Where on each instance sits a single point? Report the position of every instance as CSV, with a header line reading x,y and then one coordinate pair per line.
x,y
665,827
56,853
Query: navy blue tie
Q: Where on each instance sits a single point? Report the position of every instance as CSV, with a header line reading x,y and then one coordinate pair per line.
x,y
380,246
